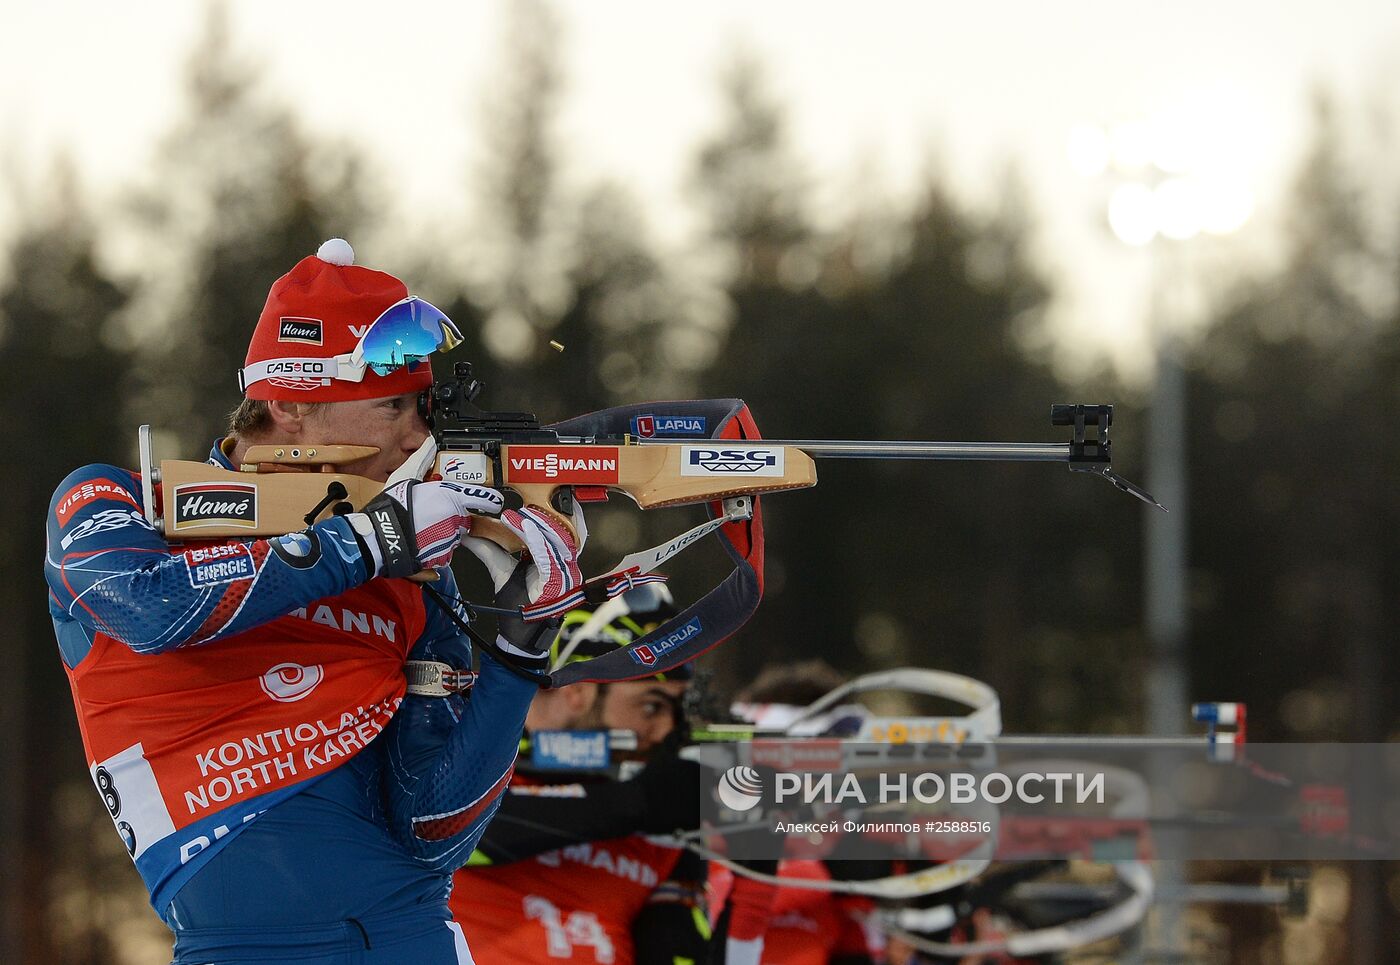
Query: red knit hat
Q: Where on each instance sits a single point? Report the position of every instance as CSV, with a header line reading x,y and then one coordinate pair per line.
x,y
318,310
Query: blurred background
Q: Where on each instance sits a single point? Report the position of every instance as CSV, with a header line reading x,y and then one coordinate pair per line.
x,y
911,221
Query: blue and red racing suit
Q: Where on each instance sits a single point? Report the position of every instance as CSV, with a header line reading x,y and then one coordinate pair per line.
x,y
229,697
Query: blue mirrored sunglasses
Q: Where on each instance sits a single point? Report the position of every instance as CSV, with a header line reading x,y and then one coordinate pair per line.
x,y
405,334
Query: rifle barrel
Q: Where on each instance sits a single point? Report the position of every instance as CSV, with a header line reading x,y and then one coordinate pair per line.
x,y
984,451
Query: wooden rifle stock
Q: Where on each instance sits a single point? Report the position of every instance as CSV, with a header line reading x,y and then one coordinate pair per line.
x,y
274,492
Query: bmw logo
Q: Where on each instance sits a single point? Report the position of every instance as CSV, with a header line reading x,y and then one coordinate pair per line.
x,y
128,837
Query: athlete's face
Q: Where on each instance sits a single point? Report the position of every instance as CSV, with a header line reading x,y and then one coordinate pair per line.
x,y
393,424
648,707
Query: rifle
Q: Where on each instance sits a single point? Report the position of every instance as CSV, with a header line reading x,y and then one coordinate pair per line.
x,y
706,452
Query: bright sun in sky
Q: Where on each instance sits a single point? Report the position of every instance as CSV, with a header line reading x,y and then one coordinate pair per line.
x,y
1156,121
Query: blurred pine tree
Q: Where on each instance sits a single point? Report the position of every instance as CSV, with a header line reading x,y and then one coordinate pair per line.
x,y
65,375
239,195
911,325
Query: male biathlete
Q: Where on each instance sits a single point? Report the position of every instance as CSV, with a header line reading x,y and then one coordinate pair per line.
x,y
231,694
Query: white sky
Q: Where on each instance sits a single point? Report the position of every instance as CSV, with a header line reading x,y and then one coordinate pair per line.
x,y
877,84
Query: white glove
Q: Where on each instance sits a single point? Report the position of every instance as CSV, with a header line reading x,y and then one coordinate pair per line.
x,y
548,568
548,545
413,526
417,465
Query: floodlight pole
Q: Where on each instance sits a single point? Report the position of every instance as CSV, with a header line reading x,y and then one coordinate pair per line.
x,y
1166,601
1165,590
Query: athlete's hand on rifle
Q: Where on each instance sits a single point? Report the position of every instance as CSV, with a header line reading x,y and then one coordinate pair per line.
x,y
548,569
415,525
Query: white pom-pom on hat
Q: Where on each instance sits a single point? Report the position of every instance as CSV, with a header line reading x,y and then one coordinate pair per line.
x,y
337,251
